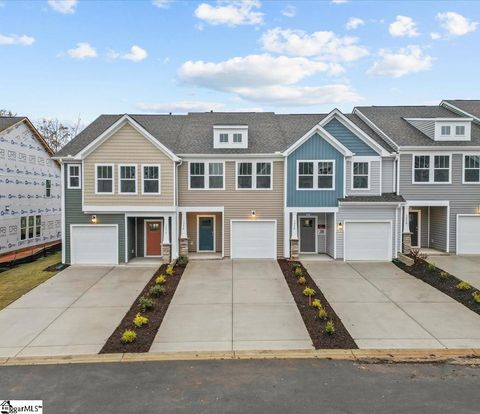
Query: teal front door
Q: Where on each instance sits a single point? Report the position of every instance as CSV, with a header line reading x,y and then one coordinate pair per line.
x,y
206,228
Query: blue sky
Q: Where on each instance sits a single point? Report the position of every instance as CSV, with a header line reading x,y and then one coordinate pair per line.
x,y
69,58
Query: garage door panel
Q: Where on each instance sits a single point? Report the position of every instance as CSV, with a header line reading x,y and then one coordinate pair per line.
x,y
253,239
366,241
468,235
94,244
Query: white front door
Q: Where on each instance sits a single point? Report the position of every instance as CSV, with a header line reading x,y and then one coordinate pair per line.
x,y
94,244
253,239
368,241
468,235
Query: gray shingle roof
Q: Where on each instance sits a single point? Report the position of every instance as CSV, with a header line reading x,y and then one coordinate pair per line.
x,y
193,133
384,198
8,121
390,119
468,105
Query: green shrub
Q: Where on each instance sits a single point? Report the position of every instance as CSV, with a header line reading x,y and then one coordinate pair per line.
x,y
308,291
145,303
182,261
169,270
298,272
330,327
140,320
128,336
316,303
322,314
301,280
161,280
157,290
296,265
444,275
431,267
476,296
463,285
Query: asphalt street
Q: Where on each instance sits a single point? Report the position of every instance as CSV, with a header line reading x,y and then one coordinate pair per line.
x,y
246,386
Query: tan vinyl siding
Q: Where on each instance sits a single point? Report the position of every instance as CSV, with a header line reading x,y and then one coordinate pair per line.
x,y
129,147
192,226
238,204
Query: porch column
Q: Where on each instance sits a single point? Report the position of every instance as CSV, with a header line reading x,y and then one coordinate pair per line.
x,y
406,236
183,235
294,238
167,247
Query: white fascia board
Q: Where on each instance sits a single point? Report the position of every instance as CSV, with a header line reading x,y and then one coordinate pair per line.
x,y
364,118
231,157
127,209
439,148
206,209
460,111
317,129
114,128
311,209
443,119
428,203
354,129
370,203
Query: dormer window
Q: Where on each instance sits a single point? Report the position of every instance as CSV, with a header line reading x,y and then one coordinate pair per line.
x,y
445,130
452,129
460,130
230,136
223,138
237,137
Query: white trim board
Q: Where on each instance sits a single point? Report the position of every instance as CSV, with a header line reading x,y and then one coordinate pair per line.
x,y
428,203
127,209
207,209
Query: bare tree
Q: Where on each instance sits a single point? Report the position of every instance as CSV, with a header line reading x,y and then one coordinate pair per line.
x,y
7,113
56,133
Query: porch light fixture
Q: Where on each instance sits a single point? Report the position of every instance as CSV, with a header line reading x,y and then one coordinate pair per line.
x,y
94,219
340,226
253,213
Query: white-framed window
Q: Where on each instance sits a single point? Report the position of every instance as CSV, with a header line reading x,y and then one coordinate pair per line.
x,y
431,169
30,227
127,179
206,175
23,228
38,226
48,188
150,179
254,175
74,176
316,175
223,137
360,175
445,130
237,137
460,130
104,179
471,169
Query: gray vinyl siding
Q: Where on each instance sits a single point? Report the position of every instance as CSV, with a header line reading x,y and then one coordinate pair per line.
x,y
388,175
131,237
438,220
366,213
140,237
427,126
330,234
375,180
74,215
463,198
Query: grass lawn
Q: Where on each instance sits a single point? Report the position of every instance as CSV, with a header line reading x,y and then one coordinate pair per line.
x,y
23,278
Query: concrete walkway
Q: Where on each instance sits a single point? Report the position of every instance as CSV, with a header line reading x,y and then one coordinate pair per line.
x,y
464,267
74,312
384,307
225,305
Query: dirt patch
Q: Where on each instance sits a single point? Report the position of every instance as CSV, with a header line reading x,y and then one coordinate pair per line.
x,y
57,267
341,339
436,277
145,334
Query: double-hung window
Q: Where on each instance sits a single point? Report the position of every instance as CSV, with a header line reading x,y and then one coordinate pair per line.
x,y
48,188
127,179
316,175
471,171
151,179
223,138
254,175
206,175
104,179
237,137
445,130
360,176
431,169
74,176
31,226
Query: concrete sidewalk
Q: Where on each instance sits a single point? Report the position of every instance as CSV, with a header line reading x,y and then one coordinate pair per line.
x,y
384,307
464,267
74,312
224,305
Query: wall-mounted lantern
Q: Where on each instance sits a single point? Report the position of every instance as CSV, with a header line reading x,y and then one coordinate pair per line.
x,y
94,219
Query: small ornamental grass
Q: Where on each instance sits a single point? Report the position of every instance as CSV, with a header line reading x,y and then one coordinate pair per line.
x,y
157,290
476,296
169,270
161,280
182,261
140,320
322,314
298,272
295,266
330,327
301,280
316,303
145,303
128,336
444,275
309,292
431,267
463,285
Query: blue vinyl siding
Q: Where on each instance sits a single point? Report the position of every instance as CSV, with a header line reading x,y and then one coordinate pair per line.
x,y
316,148
348,138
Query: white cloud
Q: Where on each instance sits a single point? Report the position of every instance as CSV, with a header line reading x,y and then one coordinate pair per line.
x,y
456,24
162,4
230,13
136,54
289,11
354,23
13,39
324,45
407,60
63,6
435,36
180,106
339,1
82,51
403,26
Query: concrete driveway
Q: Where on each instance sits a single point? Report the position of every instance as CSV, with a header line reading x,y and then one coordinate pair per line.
x,y
464,267
225,305
74,312
384,307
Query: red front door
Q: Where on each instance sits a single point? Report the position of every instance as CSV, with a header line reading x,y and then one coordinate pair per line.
x,y
154,238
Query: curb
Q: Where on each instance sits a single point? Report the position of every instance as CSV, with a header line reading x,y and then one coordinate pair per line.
x,y
469,356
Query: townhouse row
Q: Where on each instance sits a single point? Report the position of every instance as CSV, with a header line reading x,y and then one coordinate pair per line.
x,y
359,186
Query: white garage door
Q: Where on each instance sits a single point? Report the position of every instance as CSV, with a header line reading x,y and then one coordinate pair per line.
x,y
94,244
368,241
468,235
253,239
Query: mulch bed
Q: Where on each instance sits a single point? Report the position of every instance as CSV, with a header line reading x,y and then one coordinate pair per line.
x,y
448,285
145,334
341,339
